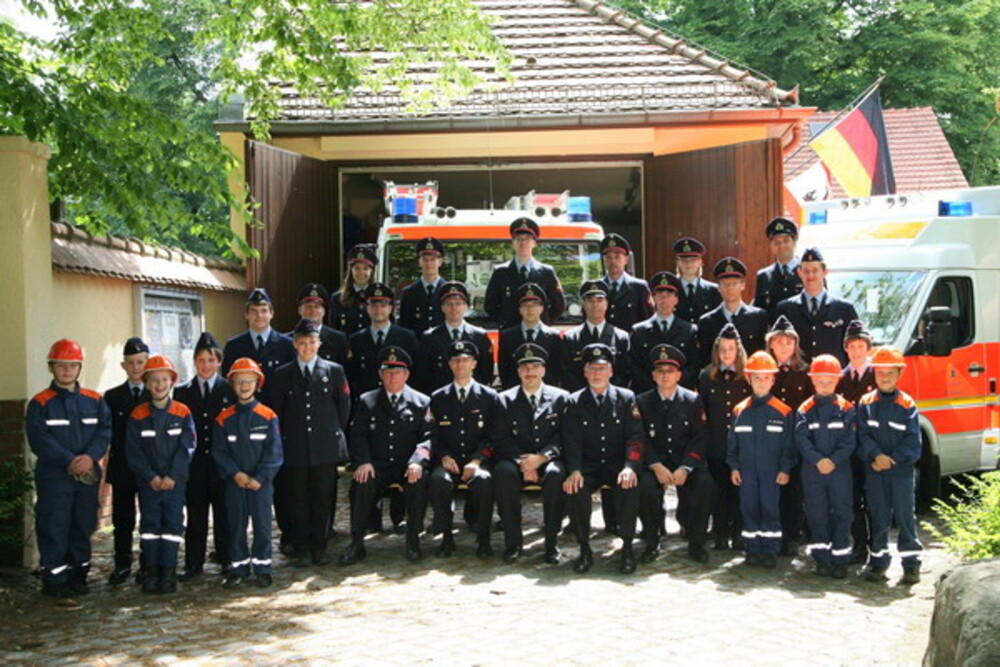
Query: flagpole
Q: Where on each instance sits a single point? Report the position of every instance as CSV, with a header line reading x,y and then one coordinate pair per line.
x,y
855,103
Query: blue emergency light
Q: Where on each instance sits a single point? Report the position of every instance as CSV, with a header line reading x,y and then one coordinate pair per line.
x,y
954,209
404,209
579,209
817,217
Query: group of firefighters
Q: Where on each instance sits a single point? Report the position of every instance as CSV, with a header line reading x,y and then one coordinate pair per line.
x,y
776,423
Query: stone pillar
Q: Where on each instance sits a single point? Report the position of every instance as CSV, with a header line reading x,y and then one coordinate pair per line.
x,y
25,294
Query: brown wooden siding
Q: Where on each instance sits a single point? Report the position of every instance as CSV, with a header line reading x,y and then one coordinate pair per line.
x,y
298,230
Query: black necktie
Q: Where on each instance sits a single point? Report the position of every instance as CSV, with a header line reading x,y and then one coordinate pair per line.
x,y
204,391
524,273
393,399
815,307
614,290
600,400
456,334
530,335
594,333
379,338
260,342
306,374
691,291
135,394
430,292
784,271
461,395
663,326
534,402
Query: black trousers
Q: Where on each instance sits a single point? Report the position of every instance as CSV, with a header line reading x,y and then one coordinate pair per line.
x,y
792,507
626,503
509,482
368,493
205,490
441,488
282,506
727,522
310,493
695,501
860,528
124,496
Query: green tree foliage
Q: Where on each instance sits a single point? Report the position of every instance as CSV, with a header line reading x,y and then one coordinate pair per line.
x,y
970,517
126,91
939,53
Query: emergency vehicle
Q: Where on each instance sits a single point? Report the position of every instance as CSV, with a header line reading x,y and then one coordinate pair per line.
x,y
923,271
477,240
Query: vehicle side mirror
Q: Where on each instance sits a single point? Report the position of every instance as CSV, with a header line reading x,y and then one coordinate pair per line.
x,y
938,336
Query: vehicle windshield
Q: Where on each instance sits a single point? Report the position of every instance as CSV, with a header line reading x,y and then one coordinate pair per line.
x,y
472,262
882,298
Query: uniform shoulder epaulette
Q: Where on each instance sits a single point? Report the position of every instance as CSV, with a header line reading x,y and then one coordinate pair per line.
x,y
225,414
44,396
843,403
807,404
905,400
141,411
264,411
778,405
178,409
869,398
90,393
742,405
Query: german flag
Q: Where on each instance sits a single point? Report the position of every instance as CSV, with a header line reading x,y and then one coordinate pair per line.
x,y
856,150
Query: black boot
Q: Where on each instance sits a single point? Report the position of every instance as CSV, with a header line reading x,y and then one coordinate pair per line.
x,y
151,580
628,558
168,581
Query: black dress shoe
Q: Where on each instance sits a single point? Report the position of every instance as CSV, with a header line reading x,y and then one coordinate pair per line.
x,y
355,553
320,557
584,562
288,549
234,580
484,550
447,547
262,580
627,565
413,553
553,556
721,545
511,554
119,576
698,553
650,553
190,573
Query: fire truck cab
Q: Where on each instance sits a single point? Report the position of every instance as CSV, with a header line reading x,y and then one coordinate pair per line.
x,y
478,240
923,271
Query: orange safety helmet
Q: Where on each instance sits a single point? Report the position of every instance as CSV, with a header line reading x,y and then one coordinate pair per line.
x,y
66,350
761,362
158,362
888,357
247,365
825,364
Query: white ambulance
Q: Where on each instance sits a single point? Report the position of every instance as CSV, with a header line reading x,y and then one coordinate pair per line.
x,y
923,271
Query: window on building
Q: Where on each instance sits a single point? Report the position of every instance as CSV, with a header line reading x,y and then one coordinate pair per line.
x,y
171,322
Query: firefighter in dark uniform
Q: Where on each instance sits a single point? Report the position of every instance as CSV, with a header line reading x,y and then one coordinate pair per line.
x,y
697,296
312,306
68,429
531,301
346,309
206,394
529,451
791,386
259,342
858,379
419,302
602,445
820,319
675,455
160,440
312,400
124,495
367,345
780,280
463,418
507,278
430,368
595,329
721,387
246,446
390,444
751,322
664,327
629,298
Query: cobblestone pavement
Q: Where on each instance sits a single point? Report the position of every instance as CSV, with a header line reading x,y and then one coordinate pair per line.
x,y
468,612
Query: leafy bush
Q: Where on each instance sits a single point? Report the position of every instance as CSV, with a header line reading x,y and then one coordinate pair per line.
x,y
15,485
971,517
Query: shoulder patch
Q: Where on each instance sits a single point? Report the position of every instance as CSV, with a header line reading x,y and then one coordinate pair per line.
x,y
807,404
779,406
45,396
869,398
90,393
904,400
742,405
264,411
141,411
225,414
179,409
843,403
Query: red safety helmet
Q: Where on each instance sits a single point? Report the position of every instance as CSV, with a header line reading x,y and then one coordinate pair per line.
x,y
246,365
825,364
761,362
66,350
158,362
888,357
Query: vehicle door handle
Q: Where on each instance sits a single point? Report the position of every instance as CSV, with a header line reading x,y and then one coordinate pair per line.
x,y
976,368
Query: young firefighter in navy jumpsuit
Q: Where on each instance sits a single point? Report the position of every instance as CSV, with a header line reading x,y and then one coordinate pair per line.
x,y
760,454
161,439
68,429
826,436
247,450
889,440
